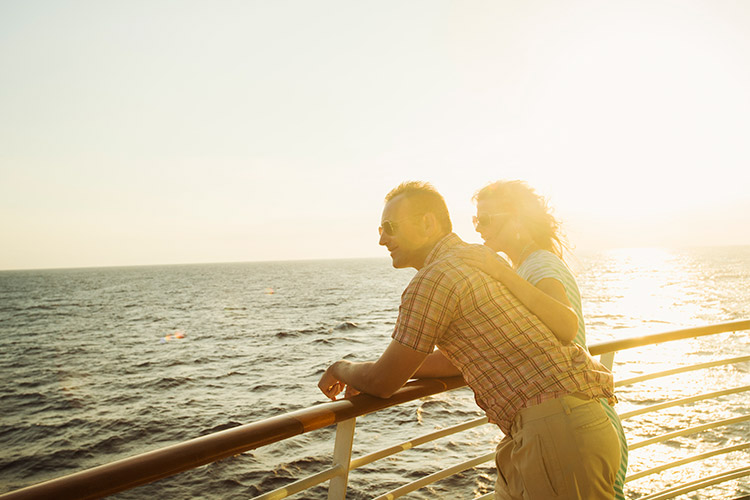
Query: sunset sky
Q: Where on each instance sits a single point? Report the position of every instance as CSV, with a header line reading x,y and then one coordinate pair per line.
x,y
153,132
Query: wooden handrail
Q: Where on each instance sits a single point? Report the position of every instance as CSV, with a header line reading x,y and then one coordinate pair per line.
x,y
154,465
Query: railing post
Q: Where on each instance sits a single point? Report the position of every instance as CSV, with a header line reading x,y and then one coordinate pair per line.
x,y
342,456
607,359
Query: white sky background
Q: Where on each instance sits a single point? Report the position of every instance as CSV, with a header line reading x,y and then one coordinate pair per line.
x,y
174,132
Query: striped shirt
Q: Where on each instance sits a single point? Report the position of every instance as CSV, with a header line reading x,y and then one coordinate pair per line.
x,y
543,264
506,355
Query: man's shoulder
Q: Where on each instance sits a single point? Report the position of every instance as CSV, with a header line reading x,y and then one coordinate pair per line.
x,y
443,281
450,266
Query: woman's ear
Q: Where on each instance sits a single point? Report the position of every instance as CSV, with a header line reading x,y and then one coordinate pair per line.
x,y
519,230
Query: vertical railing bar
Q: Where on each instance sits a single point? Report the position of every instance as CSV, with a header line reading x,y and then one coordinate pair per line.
x,y
342,455
607,359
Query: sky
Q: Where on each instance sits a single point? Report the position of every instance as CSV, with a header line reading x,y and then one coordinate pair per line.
x,y
168,132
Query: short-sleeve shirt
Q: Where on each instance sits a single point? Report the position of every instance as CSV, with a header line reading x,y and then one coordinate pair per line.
x,y
508,357
543,264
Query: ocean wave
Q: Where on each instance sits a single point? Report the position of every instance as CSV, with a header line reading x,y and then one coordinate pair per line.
x,y
299,333
264,387
284,334
346,325
65,459
164,382
231,374
50,306
34,401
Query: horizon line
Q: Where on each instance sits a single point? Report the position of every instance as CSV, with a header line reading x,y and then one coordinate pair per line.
x,y
323,259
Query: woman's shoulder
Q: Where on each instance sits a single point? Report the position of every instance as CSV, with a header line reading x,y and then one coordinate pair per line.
x,y
543,264
543,258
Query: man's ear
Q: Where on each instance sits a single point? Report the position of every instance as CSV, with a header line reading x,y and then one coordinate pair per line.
x,y
430,224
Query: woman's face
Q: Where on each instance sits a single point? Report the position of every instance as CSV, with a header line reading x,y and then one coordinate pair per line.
x,y
492,223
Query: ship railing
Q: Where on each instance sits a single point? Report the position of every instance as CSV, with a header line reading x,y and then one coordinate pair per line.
x,y
154,465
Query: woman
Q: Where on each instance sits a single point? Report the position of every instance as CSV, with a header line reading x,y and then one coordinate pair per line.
x,y
514,220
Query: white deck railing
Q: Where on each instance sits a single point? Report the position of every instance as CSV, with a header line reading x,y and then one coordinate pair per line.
x,y
148,467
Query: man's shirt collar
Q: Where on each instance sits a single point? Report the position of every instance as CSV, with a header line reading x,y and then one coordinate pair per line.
x,y
443,246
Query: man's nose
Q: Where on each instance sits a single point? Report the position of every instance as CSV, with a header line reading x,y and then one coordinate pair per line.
x,y
383,238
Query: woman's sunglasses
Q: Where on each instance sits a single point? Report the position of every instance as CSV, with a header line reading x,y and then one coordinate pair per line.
x,y
486,219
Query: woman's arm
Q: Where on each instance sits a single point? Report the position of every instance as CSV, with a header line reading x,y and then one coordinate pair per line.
x,y
547,301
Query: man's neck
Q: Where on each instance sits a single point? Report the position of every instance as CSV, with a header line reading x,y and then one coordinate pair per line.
x,y
427,249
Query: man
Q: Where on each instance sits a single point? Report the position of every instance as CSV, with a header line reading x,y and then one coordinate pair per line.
x,y
542,394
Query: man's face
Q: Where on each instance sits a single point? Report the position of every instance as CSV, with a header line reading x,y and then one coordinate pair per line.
x,y
492,224
408,243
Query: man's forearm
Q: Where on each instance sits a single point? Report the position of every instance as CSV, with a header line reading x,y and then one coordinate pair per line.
x,y
364,377
379,378
356,375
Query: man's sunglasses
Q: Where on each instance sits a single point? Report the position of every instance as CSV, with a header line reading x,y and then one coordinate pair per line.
x,y
389,227
486,219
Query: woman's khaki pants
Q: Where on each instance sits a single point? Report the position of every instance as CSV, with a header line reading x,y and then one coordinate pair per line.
x,y
564,448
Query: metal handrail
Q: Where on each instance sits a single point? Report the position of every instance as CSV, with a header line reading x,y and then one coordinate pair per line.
x,y
699,484
302,484
688,431
326,474
693,458
658,338
684,401
683,369
436,476
426,438
151,466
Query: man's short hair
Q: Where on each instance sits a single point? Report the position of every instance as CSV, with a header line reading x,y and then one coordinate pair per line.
x,y
425,198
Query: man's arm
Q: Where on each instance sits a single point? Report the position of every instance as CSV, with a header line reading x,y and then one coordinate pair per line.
x,y
436,364
379,378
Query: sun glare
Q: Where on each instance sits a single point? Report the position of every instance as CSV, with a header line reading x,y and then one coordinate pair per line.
x,y
649,285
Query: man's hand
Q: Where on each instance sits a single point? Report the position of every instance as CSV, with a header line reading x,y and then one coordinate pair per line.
x,y
329,383
379,378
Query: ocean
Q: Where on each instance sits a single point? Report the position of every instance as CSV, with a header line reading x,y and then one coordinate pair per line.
x,y
101,364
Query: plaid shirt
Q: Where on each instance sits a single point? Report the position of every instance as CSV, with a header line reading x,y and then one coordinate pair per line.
x,y
508,357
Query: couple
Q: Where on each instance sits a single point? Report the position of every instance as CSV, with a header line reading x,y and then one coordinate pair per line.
x,y
517,343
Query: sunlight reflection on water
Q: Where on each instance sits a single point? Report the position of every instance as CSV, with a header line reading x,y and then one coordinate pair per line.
x,y
634,292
